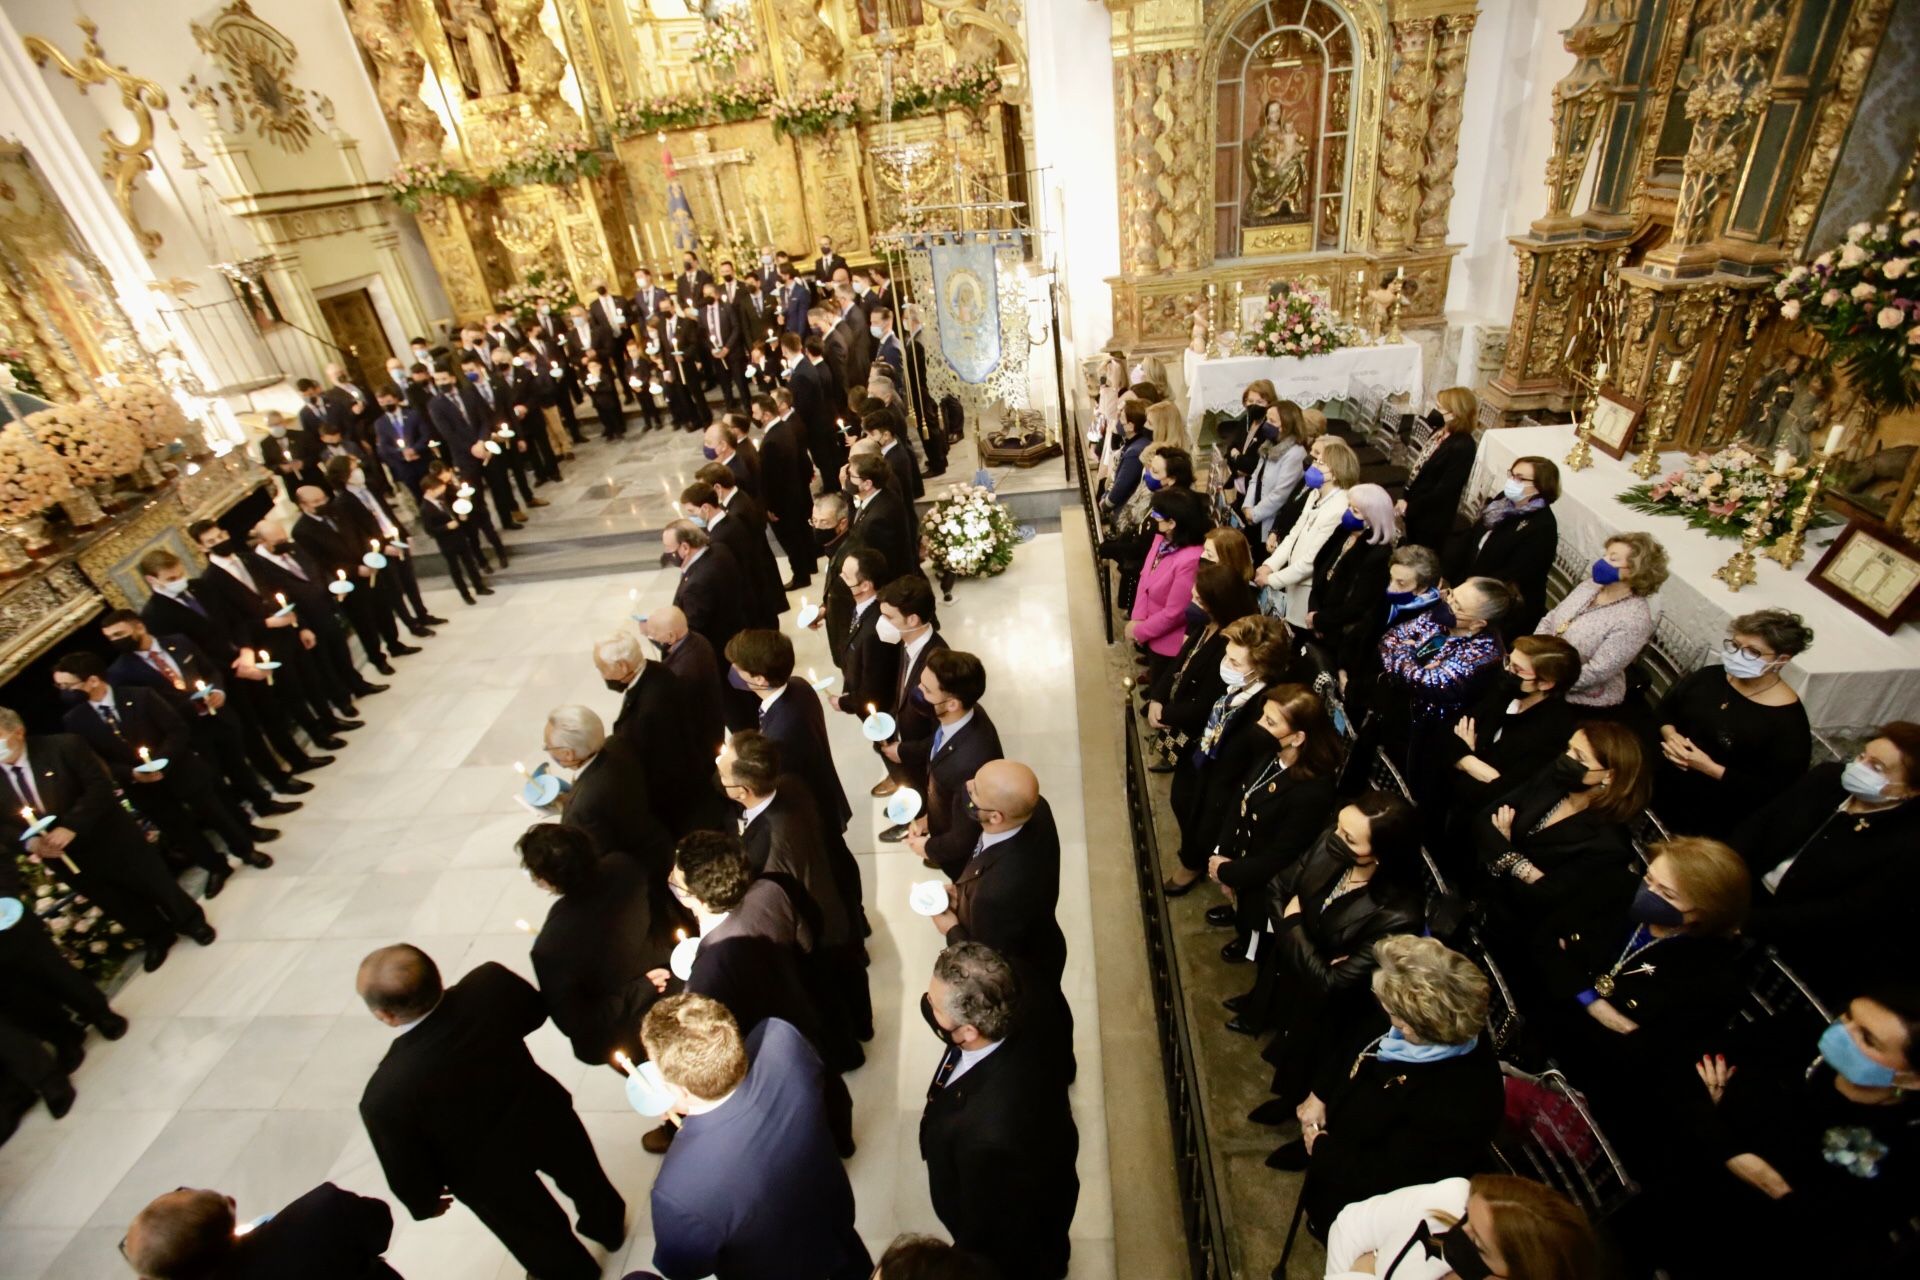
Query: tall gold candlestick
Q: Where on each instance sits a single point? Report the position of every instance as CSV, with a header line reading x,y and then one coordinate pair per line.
x,y
1738,571
1789,547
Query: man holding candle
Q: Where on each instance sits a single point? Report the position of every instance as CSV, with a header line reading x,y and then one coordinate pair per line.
x,y
332,540
713,588
786,483
93,844
458,1109
292,576
132,730
811,384
612,800
656,721
691,659
372,522
907,620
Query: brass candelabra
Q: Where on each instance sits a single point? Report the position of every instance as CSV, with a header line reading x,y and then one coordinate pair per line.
x,y
1580,457
1791,545
1738,571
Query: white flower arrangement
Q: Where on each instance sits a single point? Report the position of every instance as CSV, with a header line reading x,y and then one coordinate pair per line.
x,y
95,445
31,477
152,414
969,533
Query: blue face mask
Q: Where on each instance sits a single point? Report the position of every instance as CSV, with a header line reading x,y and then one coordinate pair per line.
x,y
737,680
472,376
1650,908
1604,573
1444,615
710,453
1400,597
1395,1047
1844,1054
698,522
1196,616
1152,482
1863,780
1351,522
1514,490
1315,477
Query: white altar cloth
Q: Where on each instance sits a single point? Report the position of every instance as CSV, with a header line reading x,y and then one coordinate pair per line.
x,y
1216,385
1853,677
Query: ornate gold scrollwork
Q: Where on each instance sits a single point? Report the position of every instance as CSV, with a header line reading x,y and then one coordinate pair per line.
x,y
259,61
1443,129
124,162
398,70
1864,29
1403,133
1596,41
1726,102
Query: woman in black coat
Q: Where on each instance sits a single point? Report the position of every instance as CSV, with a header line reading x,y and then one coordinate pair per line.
x,y
1259,653
1837,881
1559,840
1509,736
1413,1102
1316,945
1350,570
1440,474
1282,807
1178,702
1515,540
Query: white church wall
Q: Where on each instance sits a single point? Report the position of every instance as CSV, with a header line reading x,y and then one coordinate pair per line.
x,y
1070,61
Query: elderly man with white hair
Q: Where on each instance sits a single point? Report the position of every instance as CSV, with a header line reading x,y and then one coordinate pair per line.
x,y
657,720
612,799
689,656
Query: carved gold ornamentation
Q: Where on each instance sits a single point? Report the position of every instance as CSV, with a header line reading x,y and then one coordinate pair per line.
x,y
814,53
540,64
1403,133
259,61
125,161
1864,30
1731,93
398,71
1597,41
1443,129
977,27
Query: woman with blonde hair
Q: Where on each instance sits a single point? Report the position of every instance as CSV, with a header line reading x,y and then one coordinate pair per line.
x,y
1280,458
1420,1102
1492,1224
1288,572
1167,427
1608,618
1439,475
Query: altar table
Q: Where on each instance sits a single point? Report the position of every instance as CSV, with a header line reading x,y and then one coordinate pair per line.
x,y
1853,678
1216,385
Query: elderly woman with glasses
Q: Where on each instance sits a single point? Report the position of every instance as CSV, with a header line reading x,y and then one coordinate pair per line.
x,y
1734,734
1437,664
1415,1103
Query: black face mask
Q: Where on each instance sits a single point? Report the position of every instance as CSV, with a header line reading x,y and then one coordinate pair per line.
x,y
224,547
1444,615
1341,850
285,545
1460,1254
926,1011
615,686
1569,773
72,697
125,644
973,810
824,538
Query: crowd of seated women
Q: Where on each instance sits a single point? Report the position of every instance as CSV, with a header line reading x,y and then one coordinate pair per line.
x,y
1629,867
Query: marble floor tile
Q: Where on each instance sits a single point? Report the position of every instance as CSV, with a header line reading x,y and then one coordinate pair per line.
x,y
94,1150
256,1069
30,1251
195,1149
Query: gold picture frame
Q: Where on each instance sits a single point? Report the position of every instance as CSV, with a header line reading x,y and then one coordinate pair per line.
x,y
1873,572
1614,420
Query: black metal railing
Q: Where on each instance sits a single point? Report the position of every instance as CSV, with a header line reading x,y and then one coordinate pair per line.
x,y
1102,571
1193,1162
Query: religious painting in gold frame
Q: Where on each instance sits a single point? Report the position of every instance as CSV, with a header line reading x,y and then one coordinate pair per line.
x,y
64,292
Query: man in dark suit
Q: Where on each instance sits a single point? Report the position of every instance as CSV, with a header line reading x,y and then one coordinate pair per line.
x,y
751,1189
44,998
952,683
657,722
880,516
400,438
713,588
612,799
318,417
739,527
907,619
94,844
605,932
282,568
869,666
826,264
371,519
283,451
460,418
811,385
786,483
183,797
326,1234
559,380
497,398
727,346
608,318
647,297
849,346
330,540
525,447
690,657
886,347
888,428
794,300
997,1133
689,337
1006,895
782,837
458,1109
759,318
755,936
176,608
690,285
174,667
926,412
357,413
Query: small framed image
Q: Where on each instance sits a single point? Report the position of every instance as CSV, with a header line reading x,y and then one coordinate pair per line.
x,y
1614,419
1872,572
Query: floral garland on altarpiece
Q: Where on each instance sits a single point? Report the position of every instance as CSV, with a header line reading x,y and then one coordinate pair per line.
x,y
1864,299
1297,322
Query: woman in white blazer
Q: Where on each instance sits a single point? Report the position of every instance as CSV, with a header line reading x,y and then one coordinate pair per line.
x,y
1287,574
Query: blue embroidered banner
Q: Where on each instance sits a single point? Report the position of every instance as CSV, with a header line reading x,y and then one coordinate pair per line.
x,y
967,306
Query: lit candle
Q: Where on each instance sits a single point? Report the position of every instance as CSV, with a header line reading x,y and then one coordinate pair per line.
x,y
1782,462
520,768
265,658
1835,438
200,687
1600,373
27,815
146,756
621,1060
1673,373
280,597
523,926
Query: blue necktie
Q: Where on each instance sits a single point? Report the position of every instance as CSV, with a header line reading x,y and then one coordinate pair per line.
x,y
939,736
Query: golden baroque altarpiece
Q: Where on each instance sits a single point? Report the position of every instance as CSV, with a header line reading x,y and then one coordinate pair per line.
x,y
511,76
1704,136
1311,140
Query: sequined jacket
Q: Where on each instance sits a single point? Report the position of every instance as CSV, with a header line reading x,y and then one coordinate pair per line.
x,y
1438,686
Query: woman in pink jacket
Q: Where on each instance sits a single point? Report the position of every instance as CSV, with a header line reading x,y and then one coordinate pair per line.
x,y
1165,593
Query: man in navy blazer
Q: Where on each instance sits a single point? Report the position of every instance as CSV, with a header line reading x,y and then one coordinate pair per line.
x,y
751,1188
952,683
400,436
